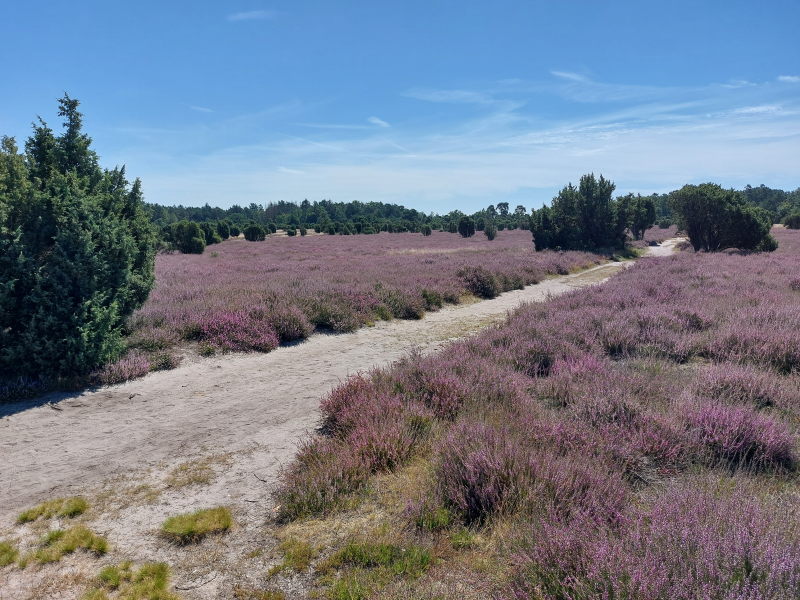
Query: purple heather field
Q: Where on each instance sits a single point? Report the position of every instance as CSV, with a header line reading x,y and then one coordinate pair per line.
x,y
634,440
252,296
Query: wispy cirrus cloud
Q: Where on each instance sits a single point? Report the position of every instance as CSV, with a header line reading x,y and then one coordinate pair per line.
x,y
377,121
789,78
492,145
450,96
569,76
202,109
251,15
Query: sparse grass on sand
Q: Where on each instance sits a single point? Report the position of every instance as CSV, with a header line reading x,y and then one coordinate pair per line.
x,y
192,527
60,542
195,472
241,593
150,582
297,556
8,553
58,507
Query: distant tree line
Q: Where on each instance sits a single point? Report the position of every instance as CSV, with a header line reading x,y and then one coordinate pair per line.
x,y
191,229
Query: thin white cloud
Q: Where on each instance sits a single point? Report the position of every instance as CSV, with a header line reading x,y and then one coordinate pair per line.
x,y
789,78
757,110
251,15
738,83
290,171
450,96
569,76
202,109
378,122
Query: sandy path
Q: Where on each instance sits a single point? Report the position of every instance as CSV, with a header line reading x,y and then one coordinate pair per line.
x,y
222,404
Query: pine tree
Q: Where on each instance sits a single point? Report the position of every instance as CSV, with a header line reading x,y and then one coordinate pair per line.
x,y
76,253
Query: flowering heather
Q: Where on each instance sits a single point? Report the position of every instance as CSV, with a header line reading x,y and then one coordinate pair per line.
x,y
251,296
613,427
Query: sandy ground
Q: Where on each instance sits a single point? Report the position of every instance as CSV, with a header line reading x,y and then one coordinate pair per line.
x,y
237,418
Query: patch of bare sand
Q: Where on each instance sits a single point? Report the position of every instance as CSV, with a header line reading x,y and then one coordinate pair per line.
x,y
239,415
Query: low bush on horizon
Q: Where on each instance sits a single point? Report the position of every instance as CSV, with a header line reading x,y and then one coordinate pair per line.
x,y
596,438
193,527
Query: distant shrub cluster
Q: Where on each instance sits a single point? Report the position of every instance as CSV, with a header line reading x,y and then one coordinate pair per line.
x,y
612,427
715,218
586,217
76,253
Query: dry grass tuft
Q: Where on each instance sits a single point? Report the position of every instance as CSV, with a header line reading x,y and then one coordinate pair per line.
x,y
192,527
58,507
60,542
195,472
8,553
150,582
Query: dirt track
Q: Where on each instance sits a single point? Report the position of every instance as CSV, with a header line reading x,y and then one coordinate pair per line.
x,y
222,403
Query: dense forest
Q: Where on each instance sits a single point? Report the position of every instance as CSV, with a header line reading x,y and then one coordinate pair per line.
x,y
350,218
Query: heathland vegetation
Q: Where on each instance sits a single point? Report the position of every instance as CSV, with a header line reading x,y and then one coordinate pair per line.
x,y
77,248
636,440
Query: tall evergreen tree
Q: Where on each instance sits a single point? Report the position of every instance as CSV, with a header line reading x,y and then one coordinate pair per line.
x,y
76,253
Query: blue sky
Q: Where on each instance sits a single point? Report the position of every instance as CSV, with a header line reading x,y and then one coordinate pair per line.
x,y
436,104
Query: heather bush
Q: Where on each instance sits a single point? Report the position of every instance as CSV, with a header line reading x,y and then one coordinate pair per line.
x,y
743,385
134,364
164,360
323,473
289,322
741,438
480,282
239,332
481,471
679,547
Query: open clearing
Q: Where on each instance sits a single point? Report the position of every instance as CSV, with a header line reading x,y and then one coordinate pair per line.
x,y
237,416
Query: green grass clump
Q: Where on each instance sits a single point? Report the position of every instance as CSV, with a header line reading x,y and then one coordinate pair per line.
x,y
59,507
297,556
368,567
411,561
352,586
434,519
150,582
192,527
60,542
462,539
8,553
